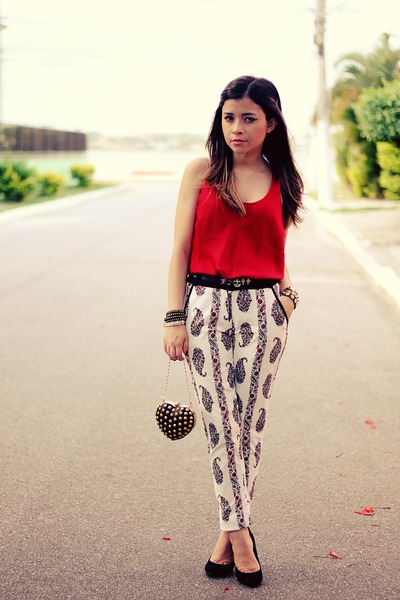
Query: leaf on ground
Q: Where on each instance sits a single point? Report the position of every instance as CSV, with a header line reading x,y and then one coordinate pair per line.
x,y
369,511
226,589
370,423
166,539
330,555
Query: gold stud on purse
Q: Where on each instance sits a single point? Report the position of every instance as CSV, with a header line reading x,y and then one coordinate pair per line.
x,y
174,419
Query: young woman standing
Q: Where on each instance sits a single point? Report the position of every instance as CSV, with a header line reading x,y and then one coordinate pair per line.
x,y
230,297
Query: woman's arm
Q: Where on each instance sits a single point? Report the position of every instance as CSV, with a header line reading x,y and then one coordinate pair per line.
x,y
287,302
176,337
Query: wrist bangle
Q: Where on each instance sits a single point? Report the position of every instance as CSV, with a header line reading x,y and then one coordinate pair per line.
x,y
291,293
173,316
174,323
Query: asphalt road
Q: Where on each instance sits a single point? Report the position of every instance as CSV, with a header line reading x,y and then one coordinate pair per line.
x,y
90,487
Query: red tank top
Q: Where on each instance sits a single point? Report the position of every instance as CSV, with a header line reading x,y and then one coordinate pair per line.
x,y
226,244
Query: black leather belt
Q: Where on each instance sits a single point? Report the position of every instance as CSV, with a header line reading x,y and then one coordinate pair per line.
x,y
239,283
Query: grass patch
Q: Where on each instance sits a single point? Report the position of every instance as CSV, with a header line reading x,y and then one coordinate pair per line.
x,y
66,191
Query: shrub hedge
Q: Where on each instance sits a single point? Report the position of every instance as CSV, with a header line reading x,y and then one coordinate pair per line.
x,y
83,174
389,162
17,181
50,183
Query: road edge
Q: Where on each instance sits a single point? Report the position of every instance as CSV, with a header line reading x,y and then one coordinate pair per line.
x,y
65,202
382,275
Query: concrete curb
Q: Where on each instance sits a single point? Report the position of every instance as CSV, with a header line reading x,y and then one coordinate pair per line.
x,y
65,202
383,276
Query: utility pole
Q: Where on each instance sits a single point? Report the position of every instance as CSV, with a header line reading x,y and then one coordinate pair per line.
x,y
324,178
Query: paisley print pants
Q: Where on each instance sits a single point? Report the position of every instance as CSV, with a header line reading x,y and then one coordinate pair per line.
x,y
236,340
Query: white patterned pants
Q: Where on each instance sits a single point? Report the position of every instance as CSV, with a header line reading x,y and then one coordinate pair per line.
x,y
236,340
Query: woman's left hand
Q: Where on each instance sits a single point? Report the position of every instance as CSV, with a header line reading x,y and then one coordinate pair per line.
x,y
288,305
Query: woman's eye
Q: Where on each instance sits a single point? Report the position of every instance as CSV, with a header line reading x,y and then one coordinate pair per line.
x,y
250,119
228,118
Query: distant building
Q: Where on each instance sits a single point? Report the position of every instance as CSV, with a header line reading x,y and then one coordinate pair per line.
x,y
18,138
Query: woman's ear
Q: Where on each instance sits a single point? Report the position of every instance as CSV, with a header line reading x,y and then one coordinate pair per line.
x,y
271,125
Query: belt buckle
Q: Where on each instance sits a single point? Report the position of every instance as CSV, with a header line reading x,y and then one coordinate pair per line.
x,y
238,282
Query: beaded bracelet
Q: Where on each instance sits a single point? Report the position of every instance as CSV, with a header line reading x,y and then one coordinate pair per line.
x,y
175,316
171,319
174,323
291,293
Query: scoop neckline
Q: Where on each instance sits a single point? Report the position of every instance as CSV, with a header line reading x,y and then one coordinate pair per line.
x,y
263,198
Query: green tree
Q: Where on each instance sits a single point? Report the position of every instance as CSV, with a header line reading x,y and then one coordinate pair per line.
x,y
356,156
364,71
378,113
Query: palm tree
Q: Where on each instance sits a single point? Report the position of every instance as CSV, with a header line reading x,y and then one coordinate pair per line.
x,y
363,71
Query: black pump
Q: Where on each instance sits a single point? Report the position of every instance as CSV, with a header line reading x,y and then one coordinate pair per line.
x,y
250,579
217,570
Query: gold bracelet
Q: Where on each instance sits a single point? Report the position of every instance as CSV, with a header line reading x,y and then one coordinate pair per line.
x,y
291,293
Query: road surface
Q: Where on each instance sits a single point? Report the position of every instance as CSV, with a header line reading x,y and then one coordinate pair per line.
x,y
90,487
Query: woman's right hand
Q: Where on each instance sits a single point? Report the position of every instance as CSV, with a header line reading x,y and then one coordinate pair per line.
x,y
176,341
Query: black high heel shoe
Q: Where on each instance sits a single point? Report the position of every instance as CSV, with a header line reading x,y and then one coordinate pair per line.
x,y
217,570
250,579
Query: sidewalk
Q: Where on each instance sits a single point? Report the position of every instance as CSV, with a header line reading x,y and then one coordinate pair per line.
x,y
370,231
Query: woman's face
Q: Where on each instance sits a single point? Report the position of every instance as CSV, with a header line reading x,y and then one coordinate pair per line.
x,y
244,126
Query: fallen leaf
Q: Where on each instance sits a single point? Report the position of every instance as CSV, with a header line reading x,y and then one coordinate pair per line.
x,y
369,422
167,539
369,511
334,555
226,588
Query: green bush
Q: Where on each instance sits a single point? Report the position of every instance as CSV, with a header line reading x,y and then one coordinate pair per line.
x,y
342,155
17,181
83,174
362,170
388,157
389,162
346,138
50,183
378,113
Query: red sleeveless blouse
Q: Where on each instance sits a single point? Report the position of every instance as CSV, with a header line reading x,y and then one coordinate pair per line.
x,y
226,244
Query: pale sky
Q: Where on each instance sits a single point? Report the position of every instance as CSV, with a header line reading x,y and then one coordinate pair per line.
x,y
160,65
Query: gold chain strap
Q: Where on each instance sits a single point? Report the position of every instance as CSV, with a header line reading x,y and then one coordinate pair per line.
x,y
164,397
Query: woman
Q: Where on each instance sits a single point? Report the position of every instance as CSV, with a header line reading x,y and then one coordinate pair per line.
x,y
230,296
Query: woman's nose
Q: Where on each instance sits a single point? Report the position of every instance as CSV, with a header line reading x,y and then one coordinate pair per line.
x,y
237,126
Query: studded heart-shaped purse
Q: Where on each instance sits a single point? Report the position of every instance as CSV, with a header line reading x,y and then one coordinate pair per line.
x,y
174,419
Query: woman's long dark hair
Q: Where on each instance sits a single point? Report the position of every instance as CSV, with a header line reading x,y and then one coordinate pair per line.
x,y
276,148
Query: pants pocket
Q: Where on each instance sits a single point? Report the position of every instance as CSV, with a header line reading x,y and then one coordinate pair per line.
x,y
281,305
